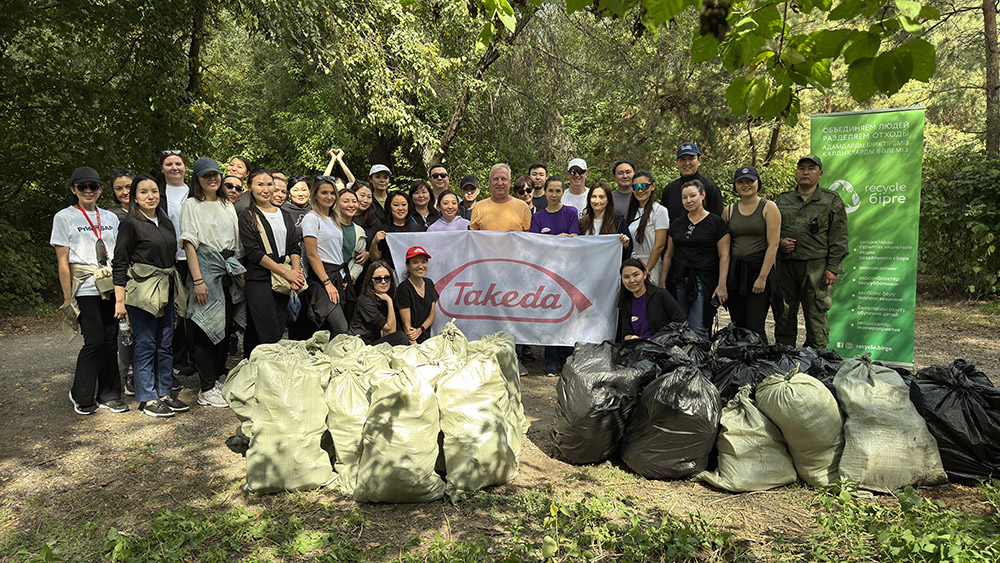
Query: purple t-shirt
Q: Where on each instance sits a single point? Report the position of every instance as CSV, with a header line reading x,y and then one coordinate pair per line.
x,y
640,323
566,220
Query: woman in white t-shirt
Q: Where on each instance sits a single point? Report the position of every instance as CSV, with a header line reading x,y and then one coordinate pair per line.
x,y
648,222
173,193
208,228
324,242
83,236
268,236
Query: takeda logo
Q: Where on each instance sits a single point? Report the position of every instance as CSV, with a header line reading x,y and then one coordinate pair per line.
x,y
502,289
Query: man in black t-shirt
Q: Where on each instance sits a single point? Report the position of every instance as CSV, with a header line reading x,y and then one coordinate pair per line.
x,y
688,163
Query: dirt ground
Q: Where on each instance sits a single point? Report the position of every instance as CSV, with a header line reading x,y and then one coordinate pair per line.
x,y
91,473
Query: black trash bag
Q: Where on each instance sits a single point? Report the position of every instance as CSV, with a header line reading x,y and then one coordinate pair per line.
x,y
732,341
700,352
962,410
673,429
596,397
676,334
665,358
748,368
906,374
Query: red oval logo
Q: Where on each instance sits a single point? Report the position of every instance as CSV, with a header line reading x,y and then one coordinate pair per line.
x,y
539,296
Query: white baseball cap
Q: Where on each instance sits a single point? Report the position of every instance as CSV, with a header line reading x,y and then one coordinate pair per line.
x,y
577,163
379,168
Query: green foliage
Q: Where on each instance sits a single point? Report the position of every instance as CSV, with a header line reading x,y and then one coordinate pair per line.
x,y
960,222
26,267
917,529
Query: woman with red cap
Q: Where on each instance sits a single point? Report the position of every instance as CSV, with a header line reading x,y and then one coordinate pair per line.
x,y
416,297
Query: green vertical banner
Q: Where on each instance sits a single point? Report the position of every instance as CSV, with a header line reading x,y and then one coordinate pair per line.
x,y
874,160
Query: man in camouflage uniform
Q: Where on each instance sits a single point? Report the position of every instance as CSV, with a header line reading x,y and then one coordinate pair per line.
x,y
814,242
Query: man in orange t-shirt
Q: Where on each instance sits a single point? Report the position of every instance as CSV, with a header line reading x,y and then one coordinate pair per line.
x,y
501,212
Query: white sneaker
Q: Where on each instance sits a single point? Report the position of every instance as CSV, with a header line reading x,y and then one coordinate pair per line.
x,y
212,398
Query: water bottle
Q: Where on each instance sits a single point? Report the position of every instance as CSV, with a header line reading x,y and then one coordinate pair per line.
x,y
125,332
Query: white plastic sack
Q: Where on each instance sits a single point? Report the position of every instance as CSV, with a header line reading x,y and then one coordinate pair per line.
x,y
752,453
503,345
347,400
887,445
807,414
239,393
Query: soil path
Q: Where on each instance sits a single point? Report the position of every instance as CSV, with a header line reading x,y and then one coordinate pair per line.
x,y
58,469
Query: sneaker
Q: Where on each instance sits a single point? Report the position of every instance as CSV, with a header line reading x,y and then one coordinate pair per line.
x,y
175,404
80,409
212,398
114,405
552,373
129,385
176,386
187,370
156,409
528,356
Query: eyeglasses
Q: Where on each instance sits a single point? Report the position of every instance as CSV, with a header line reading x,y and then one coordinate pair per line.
x,y
89,187
577,172
172,152
381,279
231,186
689,231
331,179
439,176
122,172
641,187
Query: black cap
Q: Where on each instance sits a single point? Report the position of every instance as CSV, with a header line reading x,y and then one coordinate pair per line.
x,y
812,158
469,180
206,165
746,172
85,174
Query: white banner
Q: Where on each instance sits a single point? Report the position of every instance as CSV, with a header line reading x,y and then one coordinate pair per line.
x,y
541,289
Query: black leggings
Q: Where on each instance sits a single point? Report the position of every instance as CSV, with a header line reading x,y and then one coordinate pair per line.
x,y
97,362
210,358
749,311
267,315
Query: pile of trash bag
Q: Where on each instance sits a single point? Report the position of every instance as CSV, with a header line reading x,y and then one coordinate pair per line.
x,y
377,423
790,413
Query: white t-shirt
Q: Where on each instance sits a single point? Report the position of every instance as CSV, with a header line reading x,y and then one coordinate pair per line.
x,y
659,219
277,221
574,200
71,229
176,195
329,237
597,226
210,222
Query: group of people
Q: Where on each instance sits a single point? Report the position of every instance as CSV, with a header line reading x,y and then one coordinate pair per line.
x,y
255,251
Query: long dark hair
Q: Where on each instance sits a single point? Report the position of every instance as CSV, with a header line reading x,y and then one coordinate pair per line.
x,y
417,184
367,218
369,286
120,173
389,217
252,208
133,207
608,223
624,295
647,210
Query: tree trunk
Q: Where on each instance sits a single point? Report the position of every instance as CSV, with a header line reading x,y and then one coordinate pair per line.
x,y
772,147
489,57
194,51
992,80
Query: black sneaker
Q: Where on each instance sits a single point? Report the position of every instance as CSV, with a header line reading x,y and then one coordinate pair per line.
x,y
91,409
114,405
187,370
156,409
129,389
175,404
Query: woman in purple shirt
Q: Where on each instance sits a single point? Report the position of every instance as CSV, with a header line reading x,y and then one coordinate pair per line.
x,y
643,308
556,218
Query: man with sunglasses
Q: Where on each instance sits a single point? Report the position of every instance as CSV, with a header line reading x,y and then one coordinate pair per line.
x,y
814,243
688,164
439,180
576,195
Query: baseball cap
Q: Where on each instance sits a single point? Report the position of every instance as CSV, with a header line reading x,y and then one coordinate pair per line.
x,y
688,148
812,158
577,163
469,180
206,165
85,174
746,172
379,168
415,251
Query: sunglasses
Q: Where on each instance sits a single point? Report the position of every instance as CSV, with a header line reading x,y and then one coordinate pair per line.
x,y
577,172
173,152
89,187
641,187
439,176
331,179
527,190
231,186
689,231
381,279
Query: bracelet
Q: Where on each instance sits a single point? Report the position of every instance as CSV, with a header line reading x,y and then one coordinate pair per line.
x,y
196,280
327,281
199,282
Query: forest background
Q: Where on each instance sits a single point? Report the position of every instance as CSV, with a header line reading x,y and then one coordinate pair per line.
x,y
109,84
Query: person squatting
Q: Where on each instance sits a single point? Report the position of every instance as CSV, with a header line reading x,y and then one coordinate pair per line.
x,y
163,283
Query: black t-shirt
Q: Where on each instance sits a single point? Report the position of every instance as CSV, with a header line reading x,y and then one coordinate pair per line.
x,y
409,227
420,307
541,202
370,316
699,250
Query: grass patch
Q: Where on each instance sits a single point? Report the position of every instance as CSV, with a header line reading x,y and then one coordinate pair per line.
x,y
991,308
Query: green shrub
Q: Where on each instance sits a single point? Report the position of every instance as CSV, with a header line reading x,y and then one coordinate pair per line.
x,y
959,223
27,267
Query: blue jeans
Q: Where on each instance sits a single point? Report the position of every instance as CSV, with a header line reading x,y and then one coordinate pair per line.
x,y
695,310
555,357
152,356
